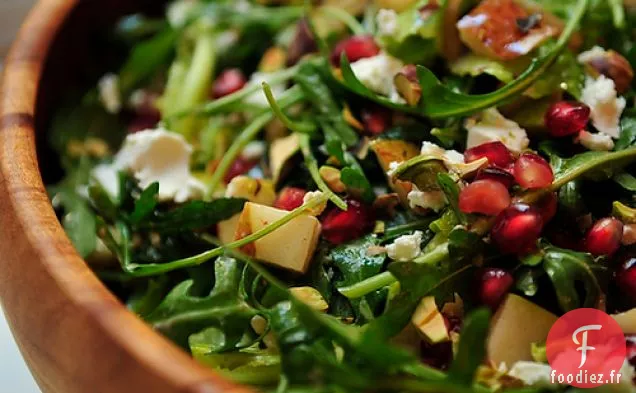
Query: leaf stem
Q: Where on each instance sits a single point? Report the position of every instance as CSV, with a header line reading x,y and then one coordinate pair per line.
x,y
153,269
290,97
312,166
381,280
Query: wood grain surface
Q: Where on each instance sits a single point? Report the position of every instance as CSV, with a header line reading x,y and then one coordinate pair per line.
x,y
74,334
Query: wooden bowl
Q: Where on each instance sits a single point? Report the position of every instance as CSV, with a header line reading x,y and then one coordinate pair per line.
x,y
74,334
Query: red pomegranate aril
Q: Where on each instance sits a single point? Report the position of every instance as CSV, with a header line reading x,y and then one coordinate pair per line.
x,y
376,120
486,196
355,48
517,229
340,226
532,171
240,166
228,82
626,279
548,207
496,174
493,285
290,198
566,118
604,238
496,152
143,122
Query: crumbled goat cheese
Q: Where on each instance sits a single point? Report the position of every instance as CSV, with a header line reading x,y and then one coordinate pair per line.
x,y
532,373
601,96
592,54
154,156
393,166
450,157
490,126
254,150
258,98
434,200
595,142
387,22
109,93
406,247
312,195
377,73
629,234
108,177
179,12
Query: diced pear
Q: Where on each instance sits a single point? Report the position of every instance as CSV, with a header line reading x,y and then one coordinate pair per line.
x,y
290,247
389,151
430,322
517,324
627,321
281,150
226,229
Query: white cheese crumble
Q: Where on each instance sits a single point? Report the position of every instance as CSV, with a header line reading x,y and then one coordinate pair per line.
x,y
532,374
152,156
254,150
629,234
434,200
109,94
312,195
406,247
592,54
490,126
387,23
393,166
450,157
601,96
258,98
595,142
377,74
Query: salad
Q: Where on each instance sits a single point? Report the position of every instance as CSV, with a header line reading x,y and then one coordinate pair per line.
x,y
362,196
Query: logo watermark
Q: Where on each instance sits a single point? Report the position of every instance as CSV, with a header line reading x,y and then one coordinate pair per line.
x,y
586,349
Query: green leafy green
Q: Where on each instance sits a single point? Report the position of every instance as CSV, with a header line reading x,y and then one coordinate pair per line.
x,y
451,190
597,165
179,315
146,203
472,348
189,216
628,133
78,221
626,181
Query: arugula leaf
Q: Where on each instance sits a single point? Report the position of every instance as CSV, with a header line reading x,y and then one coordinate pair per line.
x,y
626,181
355,265
179,315
354,178
526,280
78,222
566,268
318,93
598,165
472,348
628,133
463,244
146,58
146,203
439,101
451,190
192,215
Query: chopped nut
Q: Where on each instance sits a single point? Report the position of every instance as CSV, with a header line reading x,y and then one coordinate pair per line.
x,y
96,147
259,324
407,85
611,64
331,176
273,59
387,203
351,119
317,210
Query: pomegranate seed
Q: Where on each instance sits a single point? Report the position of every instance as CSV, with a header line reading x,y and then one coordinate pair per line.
x,y
567,118
493,285
228,82
548,207
340,226
355,48
240,166
290,198
517,229
496,174
532,171
488,197
604,238
376,120
496,152
143,122
626,279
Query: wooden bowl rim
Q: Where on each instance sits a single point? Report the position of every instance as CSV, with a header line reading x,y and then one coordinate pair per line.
x,y
24,192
